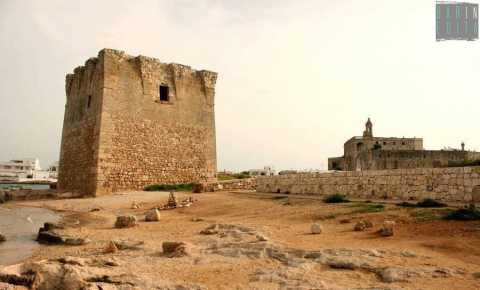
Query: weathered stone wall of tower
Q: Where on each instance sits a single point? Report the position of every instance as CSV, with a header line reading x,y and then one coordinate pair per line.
x,y
144,140
81,127
119,135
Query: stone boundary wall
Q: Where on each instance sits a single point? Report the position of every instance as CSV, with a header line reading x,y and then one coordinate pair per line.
x,y
34,194
460,184
236,184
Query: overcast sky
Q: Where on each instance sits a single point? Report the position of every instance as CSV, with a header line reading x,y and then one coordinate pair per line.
x,y
296,78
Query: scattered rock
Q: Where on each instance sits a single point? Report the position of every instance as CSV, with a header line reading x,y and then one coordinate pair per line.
x,y
95,209
362,225
111,248
476,275
49,237
195,219
152,215
343,263
126,221
135,205
210,230
316,229
261,238
345,221
13,278
72,241
5,286
442,273
387,228
2,238
128,245
408,254
390,275
176,249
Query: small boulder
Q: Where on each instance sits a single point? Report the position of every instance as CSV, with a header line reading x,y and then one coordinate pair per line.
x,y
362,225
2,238
126,221
393,274
175,249
387,228
135,205
316,229
152,215
49,237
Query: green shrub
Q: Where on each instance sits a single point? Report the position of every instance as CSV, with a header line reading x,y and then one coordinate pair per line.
x,y
336,198
464,214
241,175
428,202
170,187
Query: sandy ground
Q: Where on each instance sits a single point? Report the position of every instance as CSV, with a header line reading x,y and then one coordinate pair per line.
x,y
429,243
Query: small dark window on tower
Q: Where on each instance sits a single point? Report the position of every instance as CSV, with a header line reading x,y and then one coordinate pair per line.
x,y
89,101
164,94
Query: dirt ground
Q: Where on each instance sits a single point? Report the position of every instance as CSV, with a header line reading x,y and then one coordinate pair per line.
x,y
428,252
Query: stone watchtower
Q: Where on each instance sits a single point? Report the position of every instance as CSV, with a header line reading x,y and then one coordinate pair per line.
x,y
134,121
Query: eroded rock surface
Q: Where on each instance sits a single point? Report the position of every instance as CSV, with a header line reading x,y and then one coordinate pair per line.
x,y
71,273
283,267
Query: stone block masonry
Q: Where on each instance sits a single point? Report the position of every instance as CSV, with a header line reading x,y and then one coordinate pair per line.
x,y
135,121
460,184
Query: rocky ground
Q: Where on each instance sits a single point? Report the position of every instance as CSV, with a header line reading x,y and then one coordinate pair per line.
x,y
250,241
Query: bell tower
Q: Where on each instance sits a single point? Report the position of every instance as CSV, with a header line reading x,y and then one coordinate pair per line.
x,y
368,129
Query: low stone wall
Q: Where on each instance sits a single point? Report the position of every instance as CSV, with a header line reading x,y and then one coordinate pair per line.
x,y
460,184
33,194
236,184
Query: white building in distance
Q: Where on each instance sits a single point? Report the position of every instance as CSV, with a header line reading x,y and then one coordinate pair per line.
x,y
27,169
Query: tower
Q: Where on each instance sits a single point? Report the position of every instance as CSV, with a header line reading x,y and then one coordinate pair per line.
x,y
368,129
135,121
